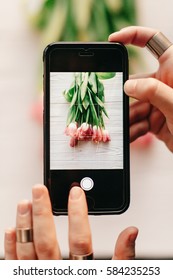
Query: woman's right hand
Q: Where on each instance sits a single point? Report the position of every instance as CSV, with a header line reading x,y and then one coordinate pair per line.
x,y
154,109
45,246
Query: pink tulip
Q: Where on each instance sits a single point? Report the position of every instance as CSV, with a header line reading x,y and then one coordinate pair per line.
x,y
79,135
84,132
73,142
71,129
100,136
106,136
90,130
97,134
84,127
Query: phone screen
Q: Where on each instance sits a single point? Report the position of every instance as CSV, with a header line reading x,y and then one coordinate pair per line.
x,y
86,126
86,132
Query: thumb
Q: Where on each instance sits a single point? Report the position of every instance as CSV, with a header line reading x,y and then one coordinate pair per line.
x,y
153,91
125,245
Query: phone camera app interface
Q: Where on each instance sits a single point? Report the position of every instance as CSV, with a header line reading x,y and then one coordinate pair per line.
x,y
86,120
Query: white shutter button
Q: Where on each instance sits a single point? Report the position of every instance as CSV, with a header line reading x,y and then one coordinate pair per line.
x,y
87,183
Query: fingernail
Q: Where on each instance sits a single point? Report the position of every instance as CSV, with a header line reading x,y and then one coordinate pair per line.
x,y
132,237
37,192
23,207
74,184
9,235
75,193
109,37
129,86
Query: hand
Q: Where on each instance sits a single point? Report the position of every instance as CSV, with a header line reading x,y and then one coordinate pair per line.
x,y
154,110
38,216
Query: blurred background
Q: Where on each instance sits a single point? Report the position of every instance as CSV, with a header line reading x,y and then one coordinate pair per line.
x,y
26,27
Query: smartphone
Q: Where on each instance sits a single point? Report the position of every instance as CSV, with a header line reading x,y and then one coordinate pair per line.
x,y
86,125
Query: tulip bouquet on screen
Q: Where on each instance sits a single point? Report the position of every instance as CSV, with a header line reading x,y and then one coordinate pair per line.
x,y
85,120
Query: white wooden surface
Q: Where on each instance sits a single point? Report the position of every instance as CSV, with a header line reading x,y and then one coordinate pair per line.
x,y
86,154
151,208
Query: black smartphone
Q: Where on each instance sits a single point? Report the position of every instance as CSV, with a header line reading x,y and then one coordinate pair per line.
x,y
86,125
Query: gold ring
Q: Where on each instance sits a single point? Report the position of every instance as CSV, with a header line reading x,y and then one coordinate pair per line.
x,y
24,235
158,44
89,256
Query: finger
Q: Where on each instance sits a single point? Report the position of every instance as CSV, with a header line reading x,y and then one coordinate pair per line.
x,y
139,124
10,244
166,137
138,129
125,245
80,242
139,111
142,75
156,120
24,220
151,90
135,35
46,244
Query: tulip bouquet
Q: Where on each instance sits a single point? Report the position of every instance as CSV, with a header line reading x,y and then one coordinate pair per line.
x,y
85,119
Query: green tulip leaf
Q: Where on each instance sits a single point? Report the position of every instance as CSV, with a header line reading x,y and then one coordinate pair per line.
x,y
105,75
86,102
84,86
73,99
104,111
69,94
100,93
71,115
99,102
79,102
93,82
93,111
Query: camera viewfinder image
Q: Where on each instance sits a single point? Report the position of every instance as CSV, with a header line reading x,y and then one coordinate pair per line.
x,y
86,120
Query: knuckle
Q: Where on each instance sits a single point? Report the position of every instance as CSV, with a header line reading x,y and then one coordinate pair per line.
x,y
25,254
41,211
127,254
147,88
25,251
81,245
131,256
143,127
24,257
8,251
44,248
76,212
153,85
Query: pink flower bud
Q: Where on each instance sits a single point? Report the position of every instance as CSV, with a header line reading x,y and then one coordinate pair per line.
x,y
90,131
94,137
79,134
84,132
97,134
105,135
71,129
84,127
73,142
